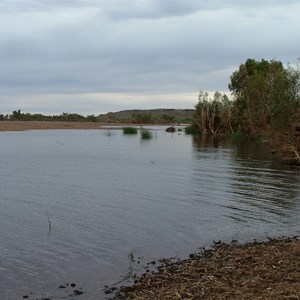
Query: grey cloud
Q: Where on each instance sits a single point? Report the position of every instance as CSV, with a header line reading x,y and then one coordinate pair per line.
x,y
142,47
152,9
139,9
43,5
155,9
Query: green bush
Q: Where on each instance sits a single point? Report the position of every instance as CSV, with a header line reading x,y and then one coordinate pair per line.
x,y
192,130
146,134
237,136
129,130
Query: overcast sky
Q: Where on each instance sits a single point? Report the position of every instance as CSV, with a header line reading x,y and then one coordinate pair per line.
x,y
96,56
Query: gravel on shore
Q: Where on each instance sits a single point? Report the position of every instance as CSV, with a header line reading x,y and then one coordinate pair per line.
x,y
256,270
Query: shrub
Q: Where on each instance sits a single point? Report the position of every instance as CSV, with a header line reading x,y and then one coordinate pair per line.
x,y
192,130
237,136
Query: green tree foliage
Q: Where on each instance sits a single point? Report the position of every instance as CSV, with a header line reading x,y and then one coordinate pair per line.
x,y
3,117
285,106
266,95
17,115
226,114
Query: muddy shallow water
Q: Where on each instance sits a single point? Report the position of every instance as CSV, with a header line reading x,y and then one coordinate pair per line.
x,y
110,197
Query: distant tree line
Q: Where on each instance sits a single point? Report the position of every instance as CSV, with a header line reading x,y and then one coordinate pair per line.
x,y
265,99
152,116
148,118
17,115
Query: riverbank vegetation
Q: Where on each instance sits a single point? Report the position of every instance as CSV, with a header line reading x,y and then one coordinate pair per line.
x,y
150,116
17,115
265,101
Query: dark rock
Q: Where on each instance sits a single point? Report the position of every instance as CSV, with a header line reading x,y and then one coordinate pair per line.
x,y
73,285
62,286
109,291
160,268
217,242
171,129
77,292
25,296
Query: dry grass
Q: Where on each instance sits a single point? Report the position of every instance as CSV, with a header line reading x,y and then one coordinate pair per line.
x,y
265,270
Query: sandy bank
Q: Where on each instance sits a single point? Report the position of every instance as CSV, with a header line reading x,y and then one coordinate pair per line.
x,y
43,125
258,270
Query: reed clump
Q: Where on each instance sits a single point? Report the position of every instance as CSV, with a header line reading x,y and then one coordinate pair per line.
x,y
146,134
130,130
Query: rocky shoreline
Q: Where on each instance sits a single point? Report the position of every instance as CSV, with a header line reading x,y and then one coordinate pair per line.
x,y
256,270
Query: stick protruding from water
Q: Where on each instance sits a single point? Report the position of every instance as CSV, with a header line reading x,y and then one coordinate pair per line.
x,y
49,222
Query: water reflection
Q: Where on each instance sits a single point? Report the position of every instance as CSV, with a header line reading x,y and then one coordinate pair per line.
x,y
109,195
246,181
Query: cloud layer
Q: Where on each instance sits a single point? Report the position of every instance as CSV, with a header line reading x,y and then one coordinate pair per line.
x,y
126,51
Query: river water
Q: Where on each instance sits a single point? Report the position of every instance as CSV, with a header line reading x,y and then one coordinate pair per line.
x,y
108,196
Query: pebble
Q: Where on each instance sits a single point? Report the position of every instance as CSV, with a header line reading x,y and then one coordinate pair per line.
x,y
77,292
62,286
109,291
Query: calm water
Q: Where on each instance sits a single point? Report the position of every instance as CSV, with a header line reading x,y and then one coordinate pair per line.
x,y
108,195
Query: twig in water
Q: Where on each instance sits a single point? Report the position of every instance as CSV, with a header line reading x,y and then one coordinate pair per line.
x,y
49,222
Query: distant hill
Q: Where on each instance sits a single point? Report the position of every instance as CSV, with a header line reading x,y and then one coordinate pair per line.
x,y
162,116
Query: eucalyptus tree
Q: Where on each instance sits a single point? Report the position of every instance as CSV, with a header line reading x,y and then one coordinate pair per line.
x,y
213,113
227,114
267,97
253,86
201,115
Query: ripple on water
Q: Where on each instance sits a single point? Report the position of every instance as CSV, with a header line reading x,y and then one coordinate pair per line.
x,y
107,197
